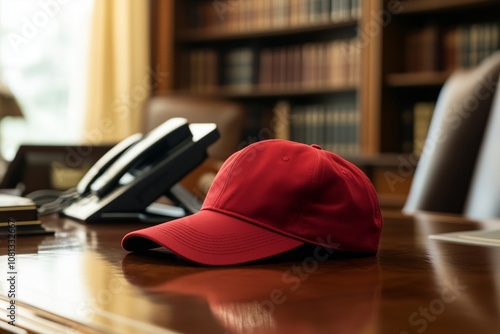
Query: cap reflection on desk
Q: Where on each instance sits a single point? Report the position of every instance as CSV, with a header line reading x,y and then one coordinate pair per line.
x,y
264,301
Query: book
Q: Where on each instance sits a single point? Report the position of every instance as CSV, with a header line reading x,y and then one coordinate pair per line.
x,y
334,126
254,15
422,115
21,224
406,129
266,68
238,68
19,216
422,49
12,201
24,230
202,70
461,47
281,120
313,65
16,208
450,45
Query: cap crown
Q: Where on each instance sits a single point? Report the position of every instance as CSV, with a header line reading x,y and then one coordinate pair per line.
x,y
299,191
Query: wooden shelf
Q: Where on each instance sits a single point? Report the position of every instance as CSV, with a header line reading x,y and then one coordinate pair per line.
x,y
417,79
425,6
260,92
379,160
382,92
391,201
193,36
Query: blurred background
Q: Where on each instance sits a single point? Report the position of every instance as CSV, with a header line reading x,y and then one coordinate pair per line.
x,y
360,78
44,61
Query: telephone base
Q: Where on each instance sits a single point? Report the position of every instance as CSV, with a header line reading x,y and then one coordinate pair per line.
x,y
156,213
132,199
141,217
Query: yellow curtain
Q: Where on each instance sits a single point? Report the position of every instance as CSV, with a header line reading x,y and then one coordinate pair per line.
x,y
118,76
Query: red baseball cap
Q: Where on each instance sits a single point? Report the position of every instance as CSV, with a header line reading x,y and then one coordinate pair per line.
x,y
269,198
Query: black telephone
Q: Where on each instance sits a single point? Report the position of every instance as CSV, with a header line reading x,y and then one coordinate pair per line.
x,y
104,162
125,182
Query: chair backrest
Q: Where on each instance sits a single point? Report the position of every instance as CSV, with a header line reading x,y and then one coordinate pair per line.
x,y
483,201
444,171
229,117
230,120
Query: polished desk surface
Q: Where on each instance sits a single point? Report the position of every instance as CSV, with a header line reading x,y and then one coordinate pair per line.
x,y
82,279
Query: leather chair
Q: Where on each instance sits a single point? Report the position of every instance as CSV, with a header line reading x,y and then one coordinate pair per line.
x,y
230,120
483,201
444,172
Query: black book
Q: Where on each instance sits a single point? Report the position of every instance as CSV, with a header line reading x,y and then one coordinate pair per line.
x,y
17,208
18,215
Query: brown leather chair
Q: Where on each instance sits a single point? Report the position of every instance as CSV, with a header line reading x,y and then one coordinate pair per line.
x,y
483,201
444,172
230,120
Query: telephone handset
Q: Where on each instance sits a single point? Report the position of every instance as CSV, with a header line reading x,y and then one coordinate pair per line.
x,y
138,171
156,143
83,187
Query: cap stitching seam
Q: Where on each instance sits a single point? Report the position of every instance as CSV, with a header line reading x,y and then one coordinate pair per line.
x,y
307,210
209,249
374,199
258,224
230,172
221,236
220,248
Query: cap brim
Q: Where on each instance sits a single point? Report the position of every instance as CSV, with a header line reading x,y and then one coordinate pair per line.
x,y
211,238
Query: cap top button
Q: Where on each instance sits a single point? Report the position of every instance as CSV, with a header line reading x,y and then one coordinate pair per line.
x,y
316,146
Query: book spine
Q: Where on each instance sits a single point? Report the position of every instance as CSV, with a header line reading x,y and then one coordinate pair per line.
x,y
282,127
422,114
406,128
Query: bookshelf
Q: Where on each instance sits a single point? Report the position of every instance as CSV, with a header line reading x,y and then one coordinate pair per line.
x,y
270,54
435,38
262,53
416,79
194,35
259,92
428,6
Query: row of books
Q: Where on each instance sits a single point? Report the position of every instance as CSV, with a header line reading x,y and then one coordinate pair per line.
x,y
467,46
239,68
415,122
327,64
334,126
432,49
244,15
313,65
201,70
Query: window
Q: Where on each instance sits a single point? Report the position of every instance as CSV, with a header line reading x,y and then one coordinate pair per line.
x,y
43,58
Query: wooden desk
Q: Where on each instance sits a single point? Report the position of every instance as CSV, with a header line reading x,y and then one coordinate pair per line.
x,y
414,285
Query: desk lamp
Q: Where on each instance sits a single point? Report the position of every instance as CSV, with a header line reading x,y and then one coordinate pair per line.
x,y
8,107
